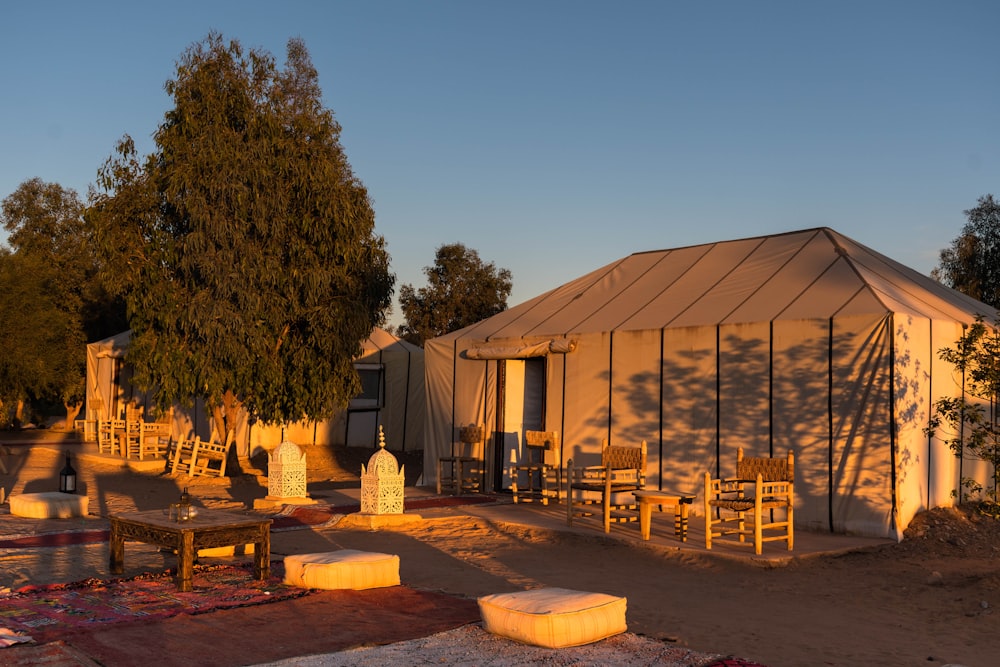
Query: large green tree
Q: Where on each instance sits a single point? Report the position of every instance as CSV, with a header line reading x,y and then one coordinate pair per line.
x,y
461,290
51,299
244,245
972,263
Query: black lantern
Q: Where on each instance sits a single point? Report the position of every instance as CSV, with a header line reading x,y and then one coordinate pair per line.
x,y
67,478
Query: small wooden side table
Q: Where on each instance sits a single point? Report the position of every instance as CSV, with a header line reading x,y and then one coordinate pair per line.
x,y
646,498
210,528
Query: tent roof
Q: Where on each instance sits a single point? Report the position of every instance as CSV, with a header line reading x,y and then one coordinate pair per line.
x,y
808,274
380,339
114,346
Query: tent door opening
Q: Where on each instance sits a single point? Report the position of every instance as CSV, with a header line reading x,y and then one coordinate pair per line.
x,y
520,408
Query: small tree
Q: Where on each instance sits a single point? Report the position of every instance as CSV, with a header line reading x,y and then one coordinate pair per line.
x,y
461,290
972,263
244,246
971,419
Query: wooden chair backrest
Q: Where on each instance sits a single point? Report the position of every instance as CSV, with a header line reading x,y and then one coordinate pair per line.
x,y
770,469
471,435
618,456
547,440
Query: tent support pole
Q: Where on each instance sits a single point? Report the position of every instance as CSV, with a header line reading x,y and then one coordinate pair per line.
x,y
562,417
829,425
770,389
611,381
718,400
660,428
893,454
406,401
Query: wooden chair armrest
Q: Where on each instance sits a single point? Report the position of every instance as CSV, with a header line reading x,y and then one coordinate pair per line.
x,y
775,488
731,485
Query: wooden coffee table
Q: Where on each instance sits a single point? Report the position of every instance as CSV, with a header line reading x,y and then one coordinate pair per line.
x,y
210,528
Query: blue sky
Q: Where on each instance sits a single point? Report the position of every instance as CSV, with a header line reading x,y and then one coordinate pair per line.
x,y
556,136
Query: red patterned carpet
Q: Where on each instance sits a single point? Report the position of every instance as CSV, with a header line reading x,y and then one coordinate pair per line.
x,y
322,622
48,612
126,622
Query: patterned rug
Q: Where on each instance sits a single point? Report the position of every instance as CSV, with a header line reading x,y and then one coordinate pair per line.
x,y
48,612
291,517
307,516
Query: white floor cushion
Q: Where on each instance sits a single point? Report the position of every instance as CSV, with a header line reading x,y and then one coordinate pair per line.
x,y
49,505
553,617
347,568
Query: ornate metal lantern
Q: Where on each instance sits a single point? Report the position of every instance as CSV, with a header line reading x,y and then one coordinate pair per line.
x,y
67,477
286,472
382,482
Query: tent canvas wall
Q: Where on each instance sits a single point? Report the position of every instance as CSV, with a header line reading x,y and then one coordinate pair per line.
x,y
392,373
806,341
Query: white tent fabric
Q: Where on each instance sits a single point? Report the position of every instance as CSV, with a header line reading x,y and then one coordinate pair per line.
x,y
399,409
805,340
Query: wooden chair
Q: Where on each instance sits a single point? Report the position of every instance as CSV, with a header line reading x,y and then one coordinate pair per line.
x,y
146,440
762,486
622,470
108,431
155,439
537,444
179,455
463,470
88,425
196,457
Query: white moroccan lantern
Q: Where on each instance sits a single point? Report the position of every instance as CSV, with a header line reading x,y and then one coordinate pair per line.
x,y
382,482
286,472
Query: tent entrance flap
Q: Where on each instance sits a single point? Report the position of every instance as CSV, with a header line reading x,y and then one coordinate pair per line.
x,y
520,349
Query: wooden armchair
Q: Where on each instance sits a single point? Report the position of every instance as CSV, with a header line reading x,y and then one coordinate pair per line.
x,y
463,471
536,445
622,470
762,486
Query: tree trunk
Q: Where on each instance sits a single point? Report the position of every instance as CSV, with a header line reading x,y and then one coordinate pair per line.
x,y
224,417
19,414
72,410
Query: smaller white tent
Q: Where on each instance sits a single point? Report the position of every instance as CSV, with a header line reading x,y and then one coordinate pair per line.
x,y
392,375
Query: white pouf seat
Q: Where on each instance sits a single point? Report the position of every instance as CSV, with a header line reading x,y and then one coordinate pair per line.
x,y
553,617
49,505
347,568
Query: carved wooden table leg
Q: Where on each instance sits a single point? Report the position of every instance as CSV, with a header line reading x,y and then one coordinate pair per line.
x,y
262,555
185,561
116,557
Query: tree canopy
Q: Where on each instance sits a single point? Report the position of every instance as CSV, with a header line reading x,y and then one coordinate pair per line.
x,y
972,263
50,296
244,245
461,290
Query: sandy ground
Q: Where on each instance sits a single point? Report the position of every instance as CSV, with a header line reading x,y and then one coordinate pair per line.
x,y
929,600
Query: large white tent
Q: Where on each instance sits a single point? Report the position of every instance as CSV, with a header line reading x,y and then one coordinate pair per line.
x,y
806,341
392,373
